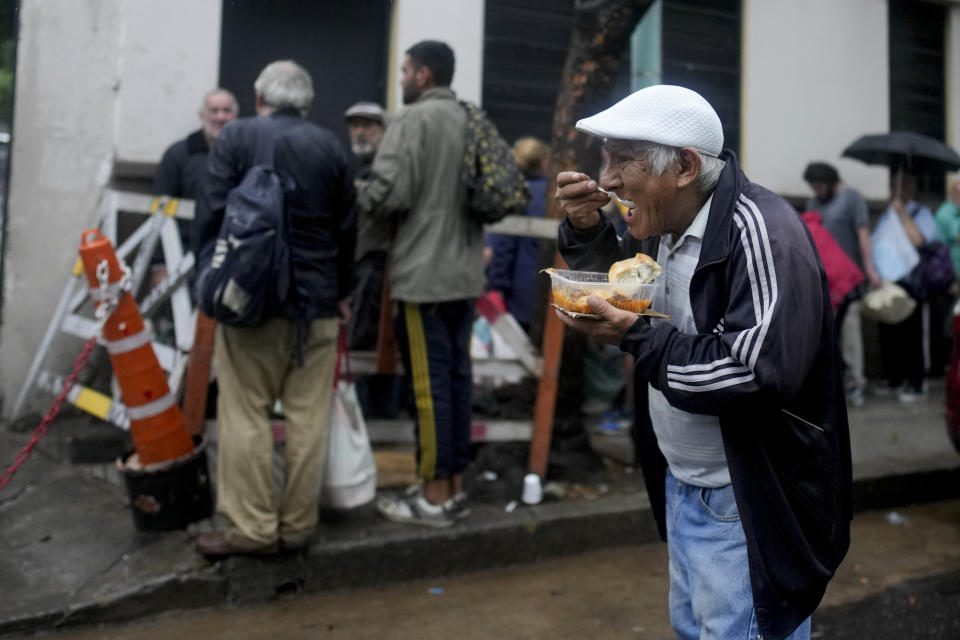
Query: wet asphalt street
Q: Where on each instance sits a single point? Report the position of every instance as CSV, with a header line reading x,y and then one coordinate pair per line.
x,y
900,580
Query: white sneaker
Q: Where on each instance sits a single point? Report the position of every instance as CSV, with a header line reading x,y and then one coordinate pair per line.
x,y
414,510
908,396
885,391
456,506
855,396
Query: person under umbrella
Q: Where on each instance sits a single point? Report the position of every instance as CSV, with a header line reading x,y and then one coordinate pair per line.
x,y
911,152
908,155
901,344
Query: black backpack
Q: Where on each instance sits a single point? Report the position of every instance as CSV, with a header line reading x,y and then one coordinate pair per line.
x,y
244,278
495,184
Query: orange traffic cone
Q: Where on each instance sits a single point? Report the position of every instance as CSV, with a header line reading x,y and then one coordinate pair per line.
x,y
156,424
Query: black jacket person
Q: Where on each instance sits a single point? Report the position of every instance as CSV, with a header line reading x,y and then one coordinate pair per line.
x,y
761,360
256,365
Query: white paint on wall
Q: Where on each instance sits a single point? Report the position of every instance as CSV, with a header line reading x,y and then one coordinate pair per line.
x,y
815,77
459,23
169,59
97,81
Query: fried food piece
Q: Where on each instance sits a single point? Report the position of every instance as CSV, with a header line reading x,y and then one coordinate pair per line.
x,y
628,304
578,304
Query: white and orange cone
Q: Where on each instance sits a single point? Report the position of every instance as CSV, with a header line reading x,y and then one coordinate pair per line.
x,y
156,424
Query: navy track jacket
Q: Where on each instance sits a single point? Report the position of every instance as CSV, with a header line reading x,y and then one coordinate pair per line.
x,y
765,361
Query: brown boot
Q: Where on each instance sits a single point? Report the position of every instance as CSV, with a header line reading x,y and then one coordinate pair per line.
x,y
214,544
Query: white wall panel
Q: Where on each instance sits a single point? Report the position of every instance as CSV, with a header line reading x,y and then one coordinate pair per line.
x,y
169,59
459,23
97,81
815,78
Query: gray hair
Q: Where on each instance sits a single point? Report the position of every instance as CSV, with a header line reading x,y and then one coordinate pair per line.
x,y
660,157
285,85
226,92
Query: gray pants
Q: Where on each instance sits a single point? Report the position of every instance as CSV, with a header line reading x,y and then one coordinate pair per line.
x,y
851,347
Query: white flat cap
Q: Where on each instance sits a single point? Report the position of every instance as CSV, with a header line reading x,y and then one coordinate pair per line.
x,y
670,115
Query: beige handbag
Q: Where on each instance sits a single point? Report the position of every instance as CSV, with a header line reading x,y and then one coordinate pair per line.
x,y
890,304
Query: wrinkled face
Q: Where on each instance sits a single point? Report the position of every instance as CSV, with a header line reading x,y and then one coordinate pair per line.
x,y
823,191
218,110
655,196
411,80
365,136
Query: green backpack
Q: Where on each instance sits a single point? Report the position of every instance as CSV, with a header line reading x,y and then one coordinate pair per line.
x,y
495,184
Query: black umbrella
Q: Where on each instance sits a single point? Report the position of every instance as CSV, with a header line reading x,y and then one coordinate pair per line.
x,y
905,150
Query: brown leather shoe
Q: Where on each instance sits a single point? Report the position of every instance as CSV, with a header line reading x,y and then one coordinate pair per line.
x,y
214,544
294,547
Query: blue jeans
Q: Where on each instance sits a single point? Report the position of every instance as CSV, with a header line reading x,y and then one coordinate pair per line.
x,y
710,596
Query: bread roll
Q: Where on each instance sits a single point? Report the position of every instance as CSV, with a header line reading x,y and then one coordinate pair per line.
x,y
639,269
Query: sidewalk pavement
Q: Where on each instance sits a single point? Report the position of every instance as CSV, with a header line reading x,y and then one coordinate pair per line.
x,y
69,552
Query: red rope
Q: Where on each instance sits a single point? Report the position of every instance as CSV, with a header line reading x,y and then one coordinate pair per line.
x,y
52,412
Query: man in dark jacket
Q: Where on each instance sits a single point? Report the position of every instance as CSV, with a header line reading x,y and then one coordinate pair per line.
x,y
184,162
740,407
366,125
258,365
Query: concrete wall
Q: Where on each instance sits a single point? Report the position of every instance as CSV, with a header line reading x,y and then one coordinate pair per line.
x,y
815,77
169,59
97,81
952,63
458,23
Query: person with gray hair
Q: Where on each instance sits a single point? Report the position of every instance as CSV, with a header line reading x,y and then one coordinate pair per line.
x,y
740,424
290,357
366,126
181,169
284,85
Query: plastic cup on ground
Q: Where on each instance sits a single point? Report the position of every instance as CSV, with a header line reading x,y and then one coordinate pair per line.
x,y
532,489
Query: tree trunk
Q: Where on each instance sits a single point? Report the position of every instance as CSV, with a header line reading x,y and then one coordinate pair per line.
x,y
599,37
599,40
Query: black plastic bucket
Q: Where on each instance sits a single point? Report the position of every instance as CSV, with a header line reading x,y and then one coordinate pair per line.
x,y
170,495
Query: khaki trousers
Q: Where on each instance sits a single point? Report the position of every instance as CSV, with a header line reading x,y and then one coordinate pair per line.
x,y
851,346
255,366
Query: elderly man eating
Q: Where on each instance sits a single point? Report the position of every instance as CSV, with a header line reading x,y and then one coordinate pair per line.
x,y
741,420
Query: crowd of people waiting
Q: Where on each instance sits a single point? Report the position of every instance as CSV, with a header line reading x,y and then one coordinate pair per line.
x,y
392,196
858,262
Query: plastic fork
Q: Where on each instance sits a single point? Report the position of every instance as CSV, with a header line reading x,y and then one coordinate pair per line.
x,y
628,204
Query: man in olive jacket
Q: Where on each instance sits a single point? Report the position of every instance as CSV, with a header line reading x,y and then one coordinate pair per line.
x,y
436,274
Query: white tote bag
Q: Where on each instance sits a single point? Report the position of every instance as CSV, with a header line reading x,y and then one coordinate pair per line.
x,y
894,255
350,472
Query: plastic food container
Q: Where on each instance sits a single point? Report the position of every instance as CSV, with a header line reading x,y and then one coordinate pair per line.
x,y
572,288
